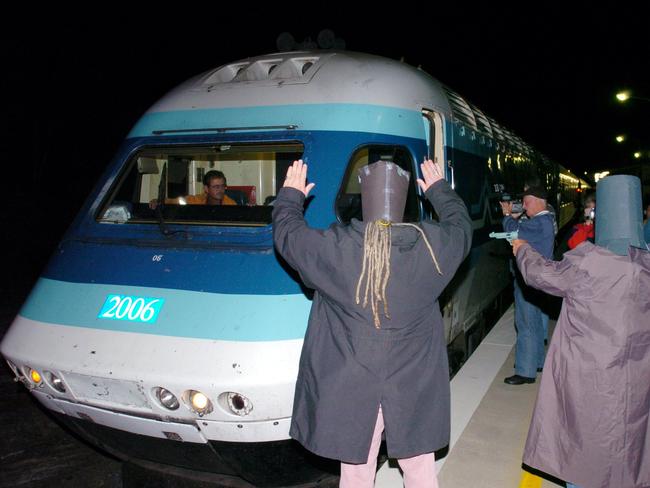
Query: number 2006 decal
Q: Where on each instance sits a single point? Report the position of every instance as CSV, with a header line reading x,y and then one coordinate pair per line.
x,y
133,309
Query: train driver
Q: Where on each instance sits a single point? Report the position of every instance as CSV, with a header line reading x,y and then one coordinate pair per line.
x,y
214,193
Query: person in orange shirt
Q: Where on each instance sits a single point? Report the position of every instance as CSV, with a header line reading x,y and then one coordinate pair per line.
x,y
214,193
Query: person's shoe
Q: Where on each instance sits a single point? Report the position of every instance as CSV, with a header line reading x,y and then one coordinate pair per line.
x,y
518,380
539,370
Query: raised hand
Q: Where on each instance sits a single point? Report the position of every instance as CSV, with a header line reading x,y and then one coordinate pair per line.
x,y
506,208
297,177
431,173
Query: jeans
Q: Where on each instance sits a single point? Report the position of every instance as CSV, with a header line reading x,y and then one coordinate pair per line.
x,y
571,485
529,353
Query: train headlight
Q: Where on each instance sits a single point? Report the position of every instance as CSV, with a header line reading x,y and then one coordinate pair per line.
x,y
35,376
237,403
198,402
166,398
54,381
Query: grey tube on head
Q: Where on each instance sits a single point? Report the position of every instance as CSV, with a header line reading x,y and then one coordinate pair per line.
x,y
619,214
384,186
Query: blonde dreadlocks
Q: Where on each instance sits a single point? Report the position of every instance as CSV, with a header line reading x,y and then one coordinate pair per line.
x,y
376,265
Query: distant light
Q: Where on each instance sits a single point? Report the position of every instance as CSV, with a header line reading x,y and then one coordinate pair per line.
x,y
637,155
585,172
620,138
623,96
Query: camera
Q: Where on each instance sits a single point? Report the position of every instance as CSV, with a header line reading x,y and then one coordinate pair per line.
x,y
517,205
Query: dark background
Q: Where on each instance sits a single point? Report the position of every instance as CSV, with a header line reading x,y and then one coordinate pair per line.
x,y
75,81
73,87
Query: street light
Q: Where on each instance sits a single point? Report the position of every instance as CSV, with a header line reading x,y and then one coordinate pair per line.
x,y
625,95
620,138
637,155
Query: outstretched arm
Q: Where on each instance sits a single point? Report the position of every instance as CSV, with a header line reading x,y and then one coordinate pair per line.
x,y
553,277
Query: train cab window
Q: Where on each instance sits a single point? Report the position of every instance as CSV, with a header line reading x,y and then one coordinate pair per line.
x,y
348,201
170,183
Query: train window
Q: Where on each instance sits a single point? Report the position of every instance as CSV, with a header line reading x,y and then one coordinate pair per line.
x,y
163,182
348,201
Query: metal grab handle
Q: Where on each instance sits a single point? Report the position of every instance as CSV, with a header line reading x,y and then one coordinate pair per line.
x,y
451,168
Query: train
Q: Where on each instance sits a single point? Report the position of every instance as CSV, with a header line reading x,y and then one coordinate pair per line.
x,y
170,336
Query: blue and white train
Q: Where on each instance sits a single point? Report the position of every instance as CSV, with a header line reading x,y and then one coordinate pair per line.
x,y
172,336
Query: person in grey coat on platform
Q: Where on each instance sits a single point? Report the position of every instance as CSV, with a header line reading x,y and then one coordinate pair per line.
x,y
374,356
591,424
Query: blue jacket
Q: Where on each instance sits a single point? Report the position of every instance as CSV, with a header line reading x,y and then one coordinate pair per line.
x,y
537,230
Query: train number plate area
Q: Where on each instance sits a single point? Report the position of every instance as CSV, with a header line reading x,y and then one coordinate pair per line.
x,y
105,390
131,308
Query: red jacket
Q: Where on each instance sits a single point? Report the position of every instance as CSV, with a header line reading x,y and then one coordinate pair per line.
x,y
581,232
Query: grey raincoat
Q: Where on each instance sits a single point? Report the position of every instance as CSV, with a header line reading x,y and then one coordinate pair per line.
x,y
591,422
348,367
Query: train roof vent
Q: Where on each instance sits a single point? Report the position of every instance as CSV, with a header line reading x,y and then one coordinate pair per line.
x,y
518,143
509,138
460,108
497,132
285,69
482,122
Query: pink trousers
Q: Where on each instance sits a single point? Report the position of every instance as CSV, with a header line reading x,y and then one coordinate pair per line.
x,y
419,471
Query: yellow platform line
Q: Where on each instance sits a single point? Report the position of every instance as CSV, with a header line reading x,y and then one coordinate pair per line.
x,y
529,480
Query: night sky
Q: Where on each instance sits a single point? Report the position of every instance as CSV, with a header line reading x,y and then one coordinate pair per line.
x,y
73,88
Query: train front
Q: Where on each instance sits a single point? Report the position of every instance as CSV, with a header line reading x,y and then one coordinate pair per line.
x,y
167,330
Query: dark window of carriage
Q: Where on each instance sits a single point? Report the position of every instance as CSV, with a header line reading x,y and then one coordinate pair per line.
x,y
348,200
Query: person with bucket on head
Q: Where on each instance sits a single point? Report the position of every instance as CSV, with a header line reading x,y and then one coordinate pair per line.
x,y
591,423
374,356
